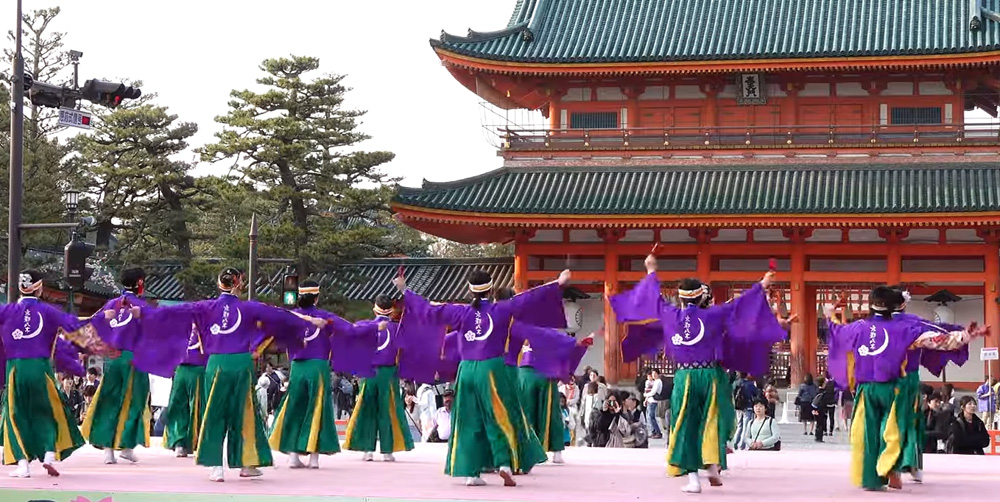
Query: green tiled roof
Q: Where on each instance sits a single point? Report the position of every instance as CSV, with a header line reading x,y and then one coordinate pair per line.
x,y
720,190
580,31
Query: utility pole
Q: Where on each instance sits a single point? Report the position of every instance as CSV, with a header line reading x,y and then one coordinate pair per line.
x,y
252,272
16,165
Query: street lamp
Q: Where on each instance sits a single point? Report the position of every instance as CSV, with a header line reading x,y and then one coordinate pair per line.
x,y
71,198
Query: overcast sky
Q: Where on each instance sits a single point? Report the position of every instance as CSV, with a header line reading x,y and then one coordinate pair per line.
x,y
193,53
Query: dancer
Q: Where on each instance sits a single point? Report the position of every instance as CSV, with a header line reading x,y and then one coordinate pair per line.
x,y
872,352
118,416
539,377
37,425
187,399
909,397
485,431
305,422
378,414
702,339
230,329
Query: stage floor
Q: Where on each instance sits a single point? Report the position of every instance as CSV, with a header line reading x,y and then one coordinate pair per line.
x,y
589,475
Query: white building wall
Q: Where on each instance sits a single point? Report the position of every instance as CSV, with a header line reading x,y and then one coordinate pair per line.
x,y
966,311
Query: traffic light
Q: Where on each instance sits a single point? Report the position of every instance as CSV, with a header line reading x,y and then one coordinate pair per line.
x,y
50,96
75,269
109,94
290,290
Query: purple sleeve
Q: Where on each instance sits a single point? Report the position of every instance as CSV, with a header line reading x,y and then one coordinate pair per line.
x,y
751,332
284,328
353,347
541,306
936,360
640,339
840,349
550,349
417,309
447,369
641,304
67,358
164,339
419,349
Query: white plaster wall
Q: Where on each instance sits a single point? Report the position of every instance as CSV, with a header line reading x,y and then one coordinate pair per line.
x,y
593,319
966,311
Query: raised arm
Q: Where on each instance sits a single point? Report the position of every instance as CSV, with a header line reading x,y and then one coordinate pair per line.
x,y
541,306
936,340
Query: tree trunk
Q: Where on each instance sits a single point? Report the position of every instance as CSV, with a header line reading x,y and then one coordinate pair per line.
x,y
300,217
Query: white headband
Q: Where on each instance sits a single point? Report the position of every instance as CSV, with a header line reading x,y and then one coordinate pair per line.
x,y
481,288
690,294
27,286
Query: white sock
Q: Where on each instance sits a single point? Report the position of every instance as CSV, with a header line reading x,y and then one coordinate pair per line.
x,y
50,458
693,478
314,460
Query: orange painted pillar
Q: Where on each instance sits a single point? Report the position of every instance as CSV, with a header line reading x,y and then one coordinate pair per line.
x,y
803,353
992,314
612,340
554,114
520,269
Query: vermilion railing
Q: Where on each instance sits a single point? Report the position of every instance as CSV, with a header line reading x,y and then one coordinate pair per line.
x,y
754,137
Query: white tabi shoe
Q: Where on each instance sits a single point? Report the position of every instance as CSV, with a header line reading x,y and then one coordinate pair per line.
x,y
917,475
388,458
314,460
694,485
218,474
294,462
129,454
49,464
250,472
557,458
507,475
22,470
476,481
109,456
368,457
180,452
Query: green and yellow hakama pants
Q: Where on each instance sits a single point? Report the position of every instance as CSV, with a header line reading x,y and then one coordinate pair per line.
x,y
231,416
488,428
877,433
305,421
35,419
185,408
909,402
540,399
379,415
119,416
702,420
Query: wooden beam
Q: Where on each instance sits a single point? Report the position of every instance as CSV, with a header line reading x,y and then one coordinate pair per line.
x,y
802,361
757,249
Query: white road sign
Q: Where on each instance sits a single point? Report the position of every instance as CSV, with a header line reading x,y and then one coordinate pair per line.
x,y
74,118
989,354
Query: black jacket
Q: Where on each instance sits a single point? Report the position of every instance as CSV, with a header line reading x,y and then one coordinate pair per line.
x,y
968,438
938,428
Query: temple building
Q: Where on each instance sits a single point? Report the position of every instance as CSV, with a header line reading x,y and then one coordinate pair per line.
x,y
851,140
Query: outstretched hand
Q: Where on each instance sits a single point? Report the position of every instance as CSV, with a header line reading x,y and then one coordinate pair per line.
x,y
977,331
564,277
828,310
650,263
400,283
768,277
785,323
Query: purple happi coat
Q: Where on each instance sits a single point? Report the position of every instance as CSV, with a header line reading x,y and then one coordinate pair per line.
x,y
196,355
553,362
880,349
226,325
349,348
738,335
29,329
125,332
483,332
447,370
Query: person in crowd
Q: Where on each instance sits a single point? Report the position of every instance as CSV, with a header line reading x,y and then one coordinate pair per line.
x,y
938,424
632,423
591,411
827,393
261,390
651,394
987,399
772,398
744,397
950,402
427,406
441,420
807,392
571,393
968,435
93,377
762,433
846,401
602,386
74,398
601,428
567,418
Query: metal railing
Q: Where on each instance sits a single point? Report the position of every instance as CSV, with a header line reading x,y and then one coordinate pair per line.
x,y
517,139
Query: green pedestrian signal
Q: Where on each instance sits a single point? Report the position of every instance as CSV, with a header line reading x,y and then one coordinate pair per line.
x,y
290,298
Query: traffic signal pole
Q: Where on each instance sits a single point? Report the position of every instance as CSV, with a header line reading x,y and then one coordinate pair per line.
x,y
16,166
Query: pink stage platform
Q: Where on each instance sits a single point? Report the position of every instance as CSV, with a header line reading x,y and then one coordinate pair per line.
x,y
590,475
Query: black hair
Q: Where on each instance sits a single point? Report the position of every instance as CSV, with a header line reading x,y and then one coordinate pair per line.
x,y
131,276
479,278
809,379
935,396
691,284
230,277
504,294
384,302
93,371
306,301
885,300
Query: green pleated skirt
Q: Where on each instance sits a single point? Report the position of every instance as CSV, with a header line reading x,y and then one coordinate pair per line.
x,y
305,422
35,418
230,415
379,416
185,408
540,399
702,420
119,416
488,428
908,402
877,434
